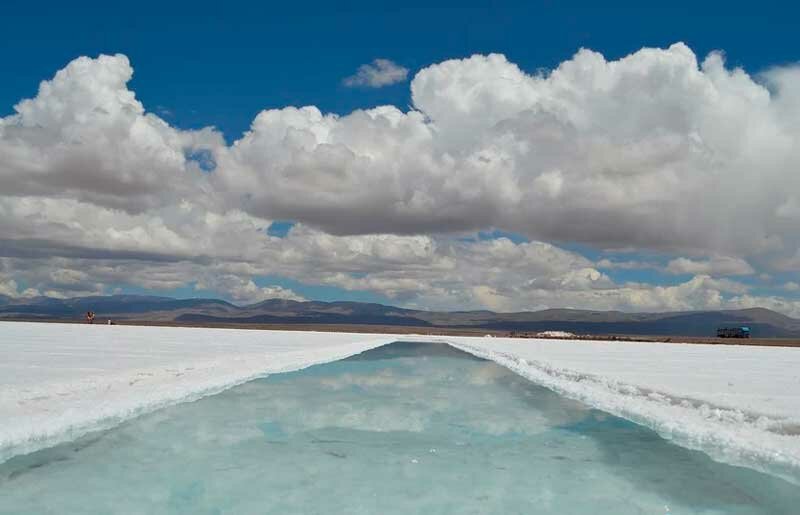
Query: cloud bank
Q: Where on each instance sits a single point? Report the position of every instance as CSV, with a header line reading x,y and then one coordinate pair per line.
x,y
655,153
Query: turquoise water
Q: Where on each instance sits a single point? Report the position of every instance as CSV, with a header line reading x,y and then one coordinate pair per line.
x,y
407,428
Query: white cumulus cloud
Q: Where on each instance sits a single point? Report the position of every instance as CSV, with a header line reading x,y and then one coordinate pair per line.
x,y
377,74
243,290
717,265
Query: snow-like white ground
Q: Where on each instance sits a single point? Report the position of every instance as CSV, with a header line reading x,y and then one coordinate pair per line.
x,y
57,381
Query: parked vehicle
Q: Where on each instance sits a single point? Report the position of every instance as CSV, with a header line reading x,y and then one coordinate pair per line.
x,y
733,332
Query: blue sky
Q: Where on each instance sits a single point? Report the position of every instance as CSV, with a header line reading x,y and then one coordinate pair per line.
x,y
200,64
204,63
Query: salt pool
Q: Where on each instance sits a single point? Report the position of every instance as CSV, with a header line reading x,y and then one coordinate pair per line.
x,y
405,428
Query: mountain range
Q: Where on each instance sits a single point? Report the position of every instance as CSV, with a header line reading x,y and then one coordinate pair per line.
x,y
764,323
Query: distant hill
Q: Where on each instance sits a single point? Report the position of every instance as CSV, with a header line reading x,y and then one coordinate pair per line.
x,y
763,322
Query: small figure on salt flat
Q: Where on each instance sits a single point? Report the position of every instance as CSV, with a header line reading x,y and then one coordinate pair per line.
x,y
90,317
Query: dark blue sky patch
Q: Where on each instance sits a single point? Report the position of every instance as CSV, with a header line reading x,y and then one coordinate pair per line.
x,y
280,228
203,157
643,275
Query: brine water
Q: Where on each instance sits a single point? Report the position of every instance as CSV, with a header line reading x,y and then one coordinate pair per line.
x,y
405,428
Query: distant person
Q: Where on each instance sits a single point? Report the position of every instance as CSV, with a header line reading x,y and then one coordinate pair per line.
x,y
90,317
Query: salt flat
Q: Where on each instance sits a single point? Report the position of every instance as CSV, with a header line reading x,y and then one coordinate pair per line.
x,y
57,381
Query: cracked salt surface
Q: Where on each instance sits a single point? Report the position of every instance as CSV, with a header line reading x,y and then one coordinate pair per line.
x,y
404,428
740,405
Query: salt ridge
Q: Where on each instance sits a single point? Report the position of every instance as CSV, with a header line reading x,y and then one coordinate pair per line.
x,y
49,397
727,435
740,405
